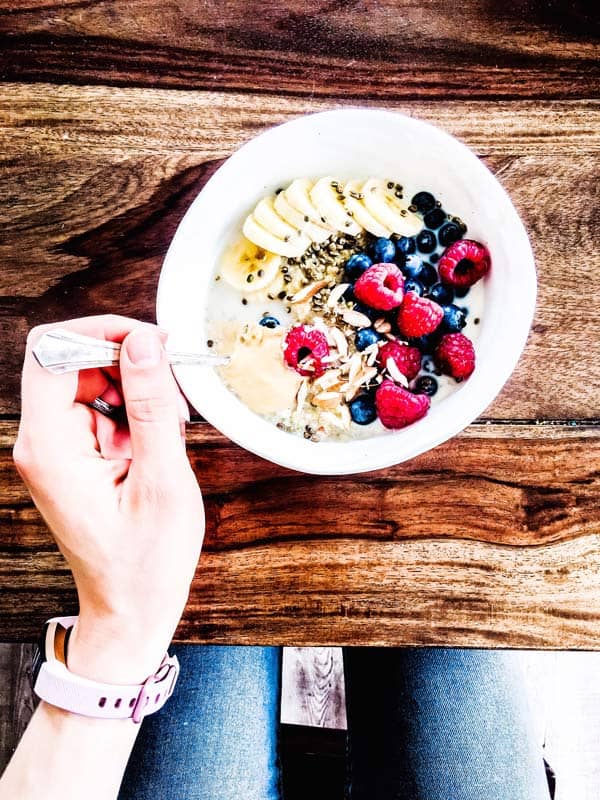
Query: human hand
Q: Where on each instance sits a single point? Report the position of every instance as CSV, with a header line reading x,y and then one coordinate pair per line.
x,y
121,499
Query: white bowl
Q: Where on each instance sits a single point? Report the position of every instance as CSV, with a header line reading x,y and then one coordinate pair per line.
x,y
350,143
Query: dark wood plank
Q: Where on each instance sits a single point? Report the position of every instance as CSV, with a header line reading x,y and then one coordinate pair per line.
x,y
421,554
390,49
98,179
17,700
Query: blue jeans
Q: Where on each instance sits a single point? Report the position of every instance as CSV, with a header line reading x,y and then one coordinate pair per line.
x,y
423,724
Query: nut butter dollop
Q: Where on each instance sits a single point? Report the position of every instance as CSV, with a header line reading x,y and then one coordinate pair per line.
x,y
257,373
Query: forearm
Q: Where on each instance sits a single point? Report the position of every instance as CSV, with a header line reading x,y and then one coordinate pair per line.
x,y
64,756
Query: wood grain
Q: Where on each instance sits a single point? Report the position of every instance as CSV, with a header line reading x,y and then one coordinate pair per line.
x,y
17,700
98,178
313,687
359,49
483,541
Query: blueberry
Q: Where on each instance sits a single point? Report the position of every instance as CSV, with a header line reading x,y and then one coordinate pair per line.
x,y
441,294
426,241
357,264
461,291
348,295
434,258
434,218
449,233
455,319
426,344
424,201
365,337
412,268
406,245
362,410
371,313
428,275
412,285
383,250
426,384
428,364
269,322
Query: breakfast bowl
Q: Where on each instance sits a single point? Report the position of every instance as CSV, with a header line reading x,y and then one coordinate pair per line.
x,y
348,144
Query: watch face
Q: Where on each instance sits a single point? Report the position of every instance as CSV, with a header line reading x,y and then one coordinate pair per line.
x,y
39,654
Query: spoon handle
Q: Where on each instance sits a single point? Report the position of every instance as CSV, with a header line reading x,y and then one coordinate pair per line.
x,y
62,351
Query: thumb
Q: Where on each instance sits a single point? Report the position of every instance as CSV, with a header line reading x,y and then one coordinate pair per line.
x,y
150,394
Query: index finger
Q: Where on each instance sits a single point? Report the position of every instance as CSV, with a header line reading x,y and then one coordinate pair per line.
x,y
45,397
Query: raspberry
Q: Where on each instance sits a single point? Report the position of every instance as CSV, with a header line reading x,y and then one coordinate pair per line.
x,y
418,316
455,356
381,287
464,263
397,407
406,358
304,350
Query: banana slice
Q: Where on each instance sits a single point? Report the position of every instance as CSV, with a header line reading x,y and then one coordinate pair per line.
x,y
265,215
388,209
353,203
248,267
294,247
298,196
327,201
318,233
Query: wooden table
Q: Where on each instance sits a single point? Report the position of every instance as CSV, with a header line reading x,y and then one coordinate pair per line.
x,y
115,113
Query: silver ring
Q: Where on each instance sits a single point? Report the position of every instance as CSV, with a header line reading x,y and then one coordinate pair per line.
x,y
107,409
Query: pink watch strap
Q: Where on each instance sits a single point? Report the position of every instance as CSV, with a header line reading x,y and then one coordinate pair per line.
x,y
59,687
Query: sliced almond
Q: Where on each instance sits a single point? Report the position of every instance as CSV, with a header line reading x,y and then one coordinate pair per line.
x,y
301,394
382,325
327,399
356,319
308,292
336,294
355,366
367,375
339,341
394,372
344,413
372,357
328,379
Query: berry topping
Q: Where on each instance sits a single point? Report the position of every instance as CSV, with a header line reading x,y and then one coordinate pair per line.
x,y
383,250
362,410
426,344
426,384
269,322
412,267
434,218
381,286
441,294
449,233
415,286
406,358
365,337
464,263
455,318
356,265
424,201
418,316
426,241
455,356
397,407
406,245
304,350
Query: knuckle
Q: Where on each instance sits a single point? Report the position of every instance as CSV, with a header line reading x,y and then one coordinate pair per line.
x,y
148,409
36,332
23,456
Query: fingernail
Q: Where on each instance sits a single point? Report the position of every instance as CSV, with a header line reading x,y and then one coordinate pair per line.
x,y
143,347
184,411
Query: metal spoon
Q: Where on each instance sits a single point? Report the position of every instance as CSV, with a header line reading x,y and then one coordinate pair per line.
x,y
62,351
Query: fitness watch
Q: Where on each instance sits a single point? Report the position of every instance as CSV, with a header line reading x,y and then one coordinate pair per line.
x,y
53,682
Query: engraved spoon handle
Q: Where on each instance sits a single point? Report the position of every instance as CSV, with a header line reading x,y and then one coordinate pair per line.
x,y
64,351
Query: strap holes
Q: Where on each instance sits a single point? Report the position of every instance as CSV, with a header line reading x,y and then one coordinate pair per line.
x,y
117,702
102,702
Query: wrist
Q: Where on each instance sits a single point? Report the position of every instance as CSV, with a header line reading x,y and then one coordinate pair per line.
x,y
107,650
